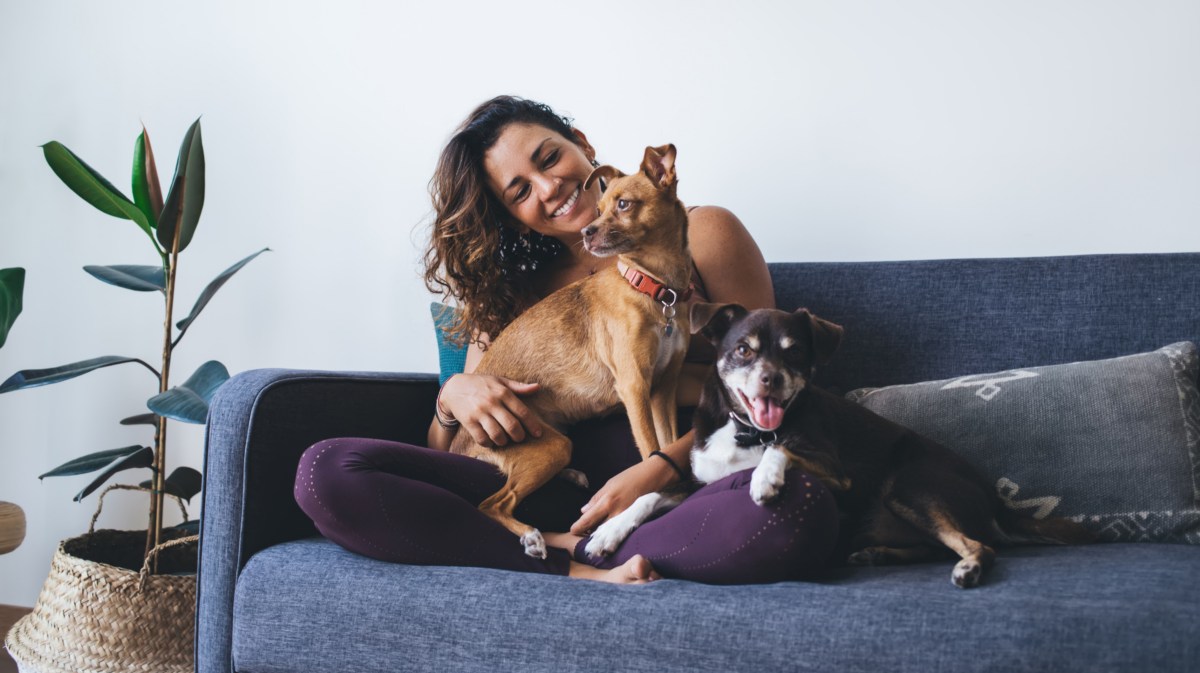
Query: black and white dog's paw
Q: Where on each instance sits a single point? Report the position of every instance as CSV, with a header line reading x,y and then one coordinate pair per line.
x,y
967,573
865,557
767,479
610,535
613,532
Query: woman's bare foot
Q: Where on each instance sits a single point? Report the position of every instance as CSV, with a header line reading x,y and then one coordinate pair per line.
x,y
636,570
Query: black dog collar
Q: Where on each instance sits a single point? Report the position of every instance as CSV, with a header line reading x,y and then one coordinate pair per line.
x,y
747,435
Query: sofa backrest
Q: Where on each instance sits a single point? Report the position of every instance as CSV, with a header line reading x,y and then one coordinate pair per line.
x,y
921,320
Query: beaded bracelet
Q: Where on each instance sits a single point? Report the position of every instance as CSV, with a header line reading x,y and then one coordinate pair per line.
x,y
672,463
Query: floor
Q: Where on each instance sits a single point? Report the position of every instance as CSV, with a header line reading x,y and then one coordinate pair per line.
x,y
9,616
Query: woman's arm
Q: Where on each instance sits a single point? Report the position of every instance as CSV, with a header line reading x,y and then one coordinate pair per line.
x,y
488,407
728,260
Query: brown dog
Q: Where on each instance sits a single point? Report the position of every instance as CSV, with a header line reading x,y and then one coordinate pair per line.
x,y
610,339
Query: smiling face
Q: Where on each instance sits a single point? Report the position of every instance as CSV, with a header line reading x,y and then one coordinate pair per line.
x,y
538,175
764,362
765,357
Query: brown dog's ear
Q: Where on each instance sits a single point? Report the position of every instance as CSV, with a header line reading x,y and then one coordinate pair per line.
x,y
605,172
826,336
659,165
714,320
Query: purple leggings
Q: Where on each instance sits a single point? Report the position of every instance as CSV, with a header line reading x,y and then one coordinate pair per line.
x,y
409,504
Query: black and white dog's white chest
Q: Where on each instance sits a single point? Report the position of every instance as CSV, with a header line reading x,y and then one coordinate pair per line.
x,y
736,446
721,454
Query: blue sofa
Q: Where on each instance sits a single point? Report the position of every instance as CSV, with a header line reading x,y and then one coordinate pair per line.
x,y
274,596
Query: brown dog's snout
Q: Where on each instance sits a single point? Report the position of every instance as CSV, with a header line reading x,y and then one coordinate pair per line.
x,y
590,230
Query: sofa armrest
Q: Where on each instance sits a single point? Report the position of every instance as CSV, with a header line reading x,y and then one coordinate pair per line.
x,y
259,424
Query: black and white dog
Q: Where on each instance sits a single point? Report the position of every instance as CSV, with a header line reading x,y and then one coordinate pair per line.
x,y
903,497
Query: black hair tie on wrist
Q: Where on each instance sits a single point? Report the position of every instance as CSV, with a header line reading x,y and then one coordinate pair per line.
x,y
671,462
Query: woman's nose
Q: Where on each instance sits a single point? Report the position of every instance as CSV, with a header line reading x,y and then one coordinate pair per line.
x,y
547,186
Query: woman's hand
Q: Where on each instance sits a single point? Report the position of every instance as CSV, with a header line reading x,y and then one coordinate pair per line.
x,y
490,408
620,492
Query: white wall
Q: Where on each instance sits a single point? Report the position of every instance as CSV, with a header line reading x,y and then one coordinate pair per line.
x,y
835,130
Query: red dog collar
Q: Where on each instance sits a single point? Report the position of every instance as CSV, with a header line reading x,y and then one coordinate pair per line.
x,y
650,286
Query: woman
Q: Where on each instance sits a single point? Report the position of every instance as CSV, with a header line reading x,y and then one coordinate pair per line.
x,y
509,201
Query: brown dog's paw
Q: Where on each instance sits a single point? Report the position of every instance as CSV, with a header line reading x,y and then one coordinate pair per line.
x,y
535,545
575,477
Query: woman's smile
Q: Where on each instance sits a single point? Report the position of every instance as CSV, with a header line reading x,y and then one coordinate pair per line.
x,y
568,207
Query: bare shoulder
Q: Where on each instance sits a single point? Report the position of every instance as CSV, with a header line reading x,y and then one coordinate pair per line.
x,y
729,261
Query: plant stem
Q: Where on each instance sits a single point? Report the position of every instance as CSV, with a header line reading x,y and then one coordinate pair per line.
x,y
160,449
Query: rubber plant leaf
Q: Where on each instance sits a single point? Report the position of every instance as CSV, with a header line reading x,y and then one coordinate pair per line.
x,y
185,199
189,402
91,186
90,462
131,277
147,193
184,482
144,457
32,378
212,288
141,419
12,287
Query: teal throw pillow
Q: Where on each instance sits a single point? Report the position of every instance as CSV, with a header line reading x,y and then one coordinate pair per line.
x,y
452,359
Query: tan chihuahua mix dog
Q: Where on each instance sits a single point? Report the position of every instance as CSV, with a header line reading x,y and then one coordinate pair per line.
x,y
610,339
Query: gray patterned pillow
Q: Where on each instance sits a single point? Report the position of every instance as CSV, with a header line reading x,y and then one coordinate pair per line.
x,y
1113,444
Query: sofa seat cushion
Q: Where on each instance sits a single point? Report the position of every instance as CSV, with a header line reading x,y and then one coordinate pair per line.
x,y
309,606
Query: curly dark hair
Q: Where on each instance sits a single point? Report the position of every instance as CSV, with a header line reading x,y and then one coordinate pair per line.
x,y
474,254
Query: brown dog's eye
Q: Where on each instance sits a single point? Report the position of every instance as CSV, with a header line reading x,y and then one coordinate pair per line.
x,y
623,205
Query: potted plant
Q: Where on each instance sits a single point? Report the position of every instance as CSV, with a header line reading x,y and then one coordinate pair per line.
x,y
139,596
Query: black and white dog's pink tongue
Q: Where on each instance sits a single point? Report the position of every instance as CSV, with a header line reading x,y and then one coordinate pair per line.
x,y
767,413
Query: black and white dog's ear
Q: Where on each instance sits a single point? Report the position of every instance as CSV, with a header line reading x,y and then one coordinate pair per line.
x,y
826,336
713,320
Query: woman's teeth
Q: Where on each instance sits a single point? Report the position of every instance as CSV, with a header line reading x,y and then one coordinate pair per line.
x,y
566,207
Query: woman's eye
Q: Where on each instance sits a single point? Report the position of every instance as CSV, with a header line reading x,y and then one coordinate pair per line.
x,y
521,193
551,159
622,204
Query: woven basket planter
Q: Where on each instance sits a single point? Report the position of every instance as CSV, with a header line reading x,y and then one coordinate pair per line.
x,y
102,611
